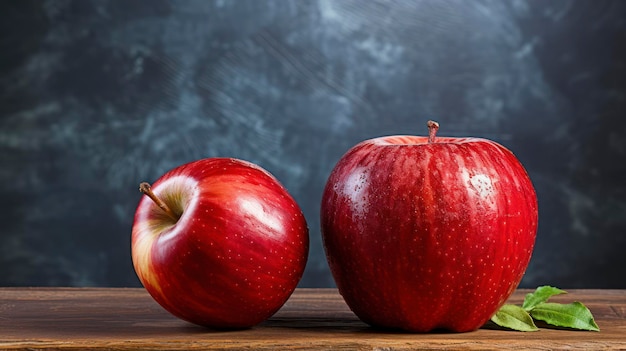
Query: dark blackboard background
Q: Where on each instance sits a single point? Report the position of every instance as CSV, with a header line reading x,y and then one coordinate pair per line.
x,y
96,96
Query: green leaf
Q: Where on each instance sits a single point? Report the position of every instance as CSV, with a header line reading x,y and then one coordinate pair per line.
x,y
574,315
540,295
514,317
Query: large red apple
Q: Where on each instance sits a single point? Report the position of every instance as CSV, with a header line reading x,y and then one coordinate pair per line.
x,y
219,242
426,233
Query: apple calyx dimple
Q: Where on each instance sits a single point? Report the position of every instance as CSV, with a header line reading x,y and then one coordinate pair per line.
x,y
145,188
432,130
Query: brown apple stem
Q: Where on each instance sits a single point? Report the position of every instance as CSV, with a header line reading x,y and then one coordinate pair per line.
x,y
432,131
147,189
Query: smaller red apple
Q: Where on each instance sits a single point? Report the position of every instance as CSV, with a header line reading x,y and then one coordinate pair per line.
x,y
219,242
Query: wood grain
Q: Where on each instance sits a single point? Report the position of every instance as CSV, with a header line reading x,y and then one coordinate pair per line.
x,y
127,319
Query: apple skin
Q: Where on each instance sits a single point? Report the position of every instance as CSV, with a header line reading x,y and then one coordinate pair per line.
x,y
422,236
235,255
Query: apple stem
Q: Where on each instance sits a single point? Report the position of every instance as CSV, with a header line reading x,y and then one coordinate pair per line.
x,y
147,189
432,131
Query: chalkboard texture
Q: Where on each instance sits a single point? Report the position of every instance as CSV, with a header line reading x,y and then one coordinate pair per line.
x,y
96,96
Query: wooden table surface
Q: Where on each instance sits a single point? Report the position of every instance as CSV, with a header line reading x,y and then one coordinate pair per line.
x,y
124,319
